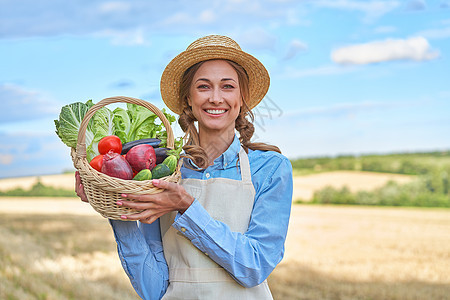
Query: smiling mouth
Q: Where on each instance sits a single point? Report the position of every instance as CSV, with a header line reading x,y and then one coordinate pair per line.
x,y
215,111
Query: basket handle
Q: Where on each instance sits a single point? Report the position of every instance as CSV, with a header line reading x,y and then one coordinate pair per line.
x,y
81,142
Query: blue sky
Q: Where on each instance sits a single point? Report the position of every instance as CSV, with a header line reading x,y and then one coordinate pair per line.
x,y
347,77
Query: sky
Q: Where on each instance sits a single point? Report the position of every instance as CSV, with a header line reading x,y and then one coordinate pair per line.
x,y
347,77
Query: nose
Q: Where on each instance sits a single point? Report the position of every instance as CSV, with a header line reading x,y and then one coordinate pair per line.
x,y
216,96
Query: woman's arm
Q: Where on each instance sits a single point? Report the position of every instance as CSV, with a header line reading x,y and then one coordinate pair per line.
x,y
252,256
248,257
140,251
142,259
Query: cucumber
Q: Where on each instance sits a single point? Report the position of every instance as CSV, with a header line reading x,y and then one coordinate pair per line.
x,y
160,171
171,161
144,174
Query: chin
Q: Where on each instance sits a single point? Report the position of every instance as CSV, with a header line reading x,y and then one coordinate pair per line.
x,y
218,127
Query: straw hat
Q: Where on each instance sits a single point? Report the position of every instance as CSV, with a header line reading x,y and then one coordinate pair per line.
x,y
207,48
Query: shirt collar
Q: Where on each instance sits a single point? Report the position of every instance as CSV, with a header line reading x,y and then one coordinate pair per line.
x,y
226,158
230,154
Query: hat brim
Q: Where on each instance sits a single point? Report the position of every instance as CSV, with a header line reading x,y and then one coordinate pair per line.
x,y
259,79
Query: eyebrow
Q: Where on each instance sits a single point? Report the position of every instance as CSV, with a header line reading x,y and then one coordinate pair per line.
x,y
207,80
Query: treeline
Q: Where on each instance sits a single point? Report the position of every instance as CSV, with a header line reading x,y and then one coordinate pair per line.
x,y
431,189
38,190
399,163
392,194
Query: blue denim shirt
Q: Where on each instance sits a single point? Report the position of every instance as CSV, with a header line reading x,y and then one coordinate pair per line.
x,y
248,257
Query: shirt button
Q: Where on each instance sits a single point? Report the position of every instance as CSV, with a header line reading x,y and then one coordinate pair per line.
x,y
225,164
207,175
206,254
183,229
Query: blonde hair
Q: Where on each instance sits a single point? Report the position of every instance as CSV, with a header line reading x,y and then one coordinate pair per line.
x,y
187,119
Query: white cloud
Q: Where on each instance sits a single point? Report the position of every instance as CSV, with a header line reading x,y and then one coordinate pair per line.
x,y
256,38
31,153
416,48
296,46
130,37
385,29
6,159
183,18
291,73
414,5
340,109
207,16
19,104
372,9
30,18
114,7
440,33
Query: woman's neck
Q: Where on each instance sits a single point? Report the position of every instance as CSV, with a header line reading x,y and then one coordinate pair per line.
x,y
215,143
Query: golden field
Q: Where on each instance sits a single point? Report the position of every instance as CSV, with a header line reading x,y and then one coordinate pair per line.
x,y
61,249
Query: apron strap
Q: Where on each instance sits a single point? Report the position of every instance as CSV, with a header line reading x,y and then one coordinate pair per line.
x,y
245,166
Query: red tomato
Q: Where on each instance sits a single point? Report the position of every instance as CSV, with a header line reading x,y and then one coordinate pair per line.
x,y
97,162
110,143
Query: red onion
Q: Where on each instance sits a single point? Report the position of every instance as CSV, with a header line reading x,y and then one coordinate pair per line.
x,y
141,157
115,165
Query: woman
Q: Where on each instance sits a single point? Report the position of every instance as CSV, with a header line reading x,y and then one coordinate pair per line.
x,y
223,227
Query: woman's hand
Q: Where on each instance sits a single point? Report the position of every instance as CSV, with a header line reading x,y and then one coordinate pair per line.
x,y
79,189
173,198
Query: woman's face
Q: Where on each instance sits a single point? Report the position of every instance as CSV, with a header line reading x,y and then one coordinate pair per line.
x,y
215,96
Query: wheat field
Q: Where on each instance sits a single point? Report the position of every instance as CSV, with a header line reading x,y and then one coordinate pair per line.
x,y
60,248
332,252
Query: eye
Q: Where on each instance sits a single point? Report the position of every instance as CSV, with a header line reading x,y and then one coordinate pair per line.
x,y
202,86
228,86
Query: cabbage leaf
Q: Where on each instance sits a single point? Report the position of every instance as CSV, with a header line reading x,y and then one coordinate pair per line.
x,y
134,123
103,126
69,122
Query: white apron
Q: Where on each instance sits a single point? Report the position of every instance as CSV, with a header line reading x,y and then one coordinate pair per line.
x,y
192,274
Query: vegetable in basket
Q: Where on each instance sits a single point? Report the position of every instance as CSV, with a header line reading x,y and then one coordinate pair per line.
x,y
141,157
131,124
137,122
115,165
160,171
97,162
110,143
171,161
68,125
144,174
154,142
69,122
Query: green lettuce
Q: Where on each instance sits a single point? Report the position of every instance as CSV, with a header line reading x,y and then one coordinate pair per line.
x,y
103,126
69,122
134,123
122,123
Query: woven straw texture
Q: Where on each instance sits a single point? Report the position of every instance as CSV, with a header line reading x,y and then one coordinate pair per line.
x,y
104,191
208,48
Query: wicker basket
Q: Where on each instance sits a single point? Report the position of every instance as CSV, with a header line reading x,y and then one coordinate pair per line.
x,y
104,191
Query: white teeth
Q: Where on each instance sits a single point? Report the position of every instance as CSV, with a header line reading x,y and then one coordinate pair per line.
x,y
215,111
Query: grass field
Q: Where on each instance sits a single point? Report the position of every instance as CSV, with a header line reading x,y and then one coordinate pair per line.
x,y
332,252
